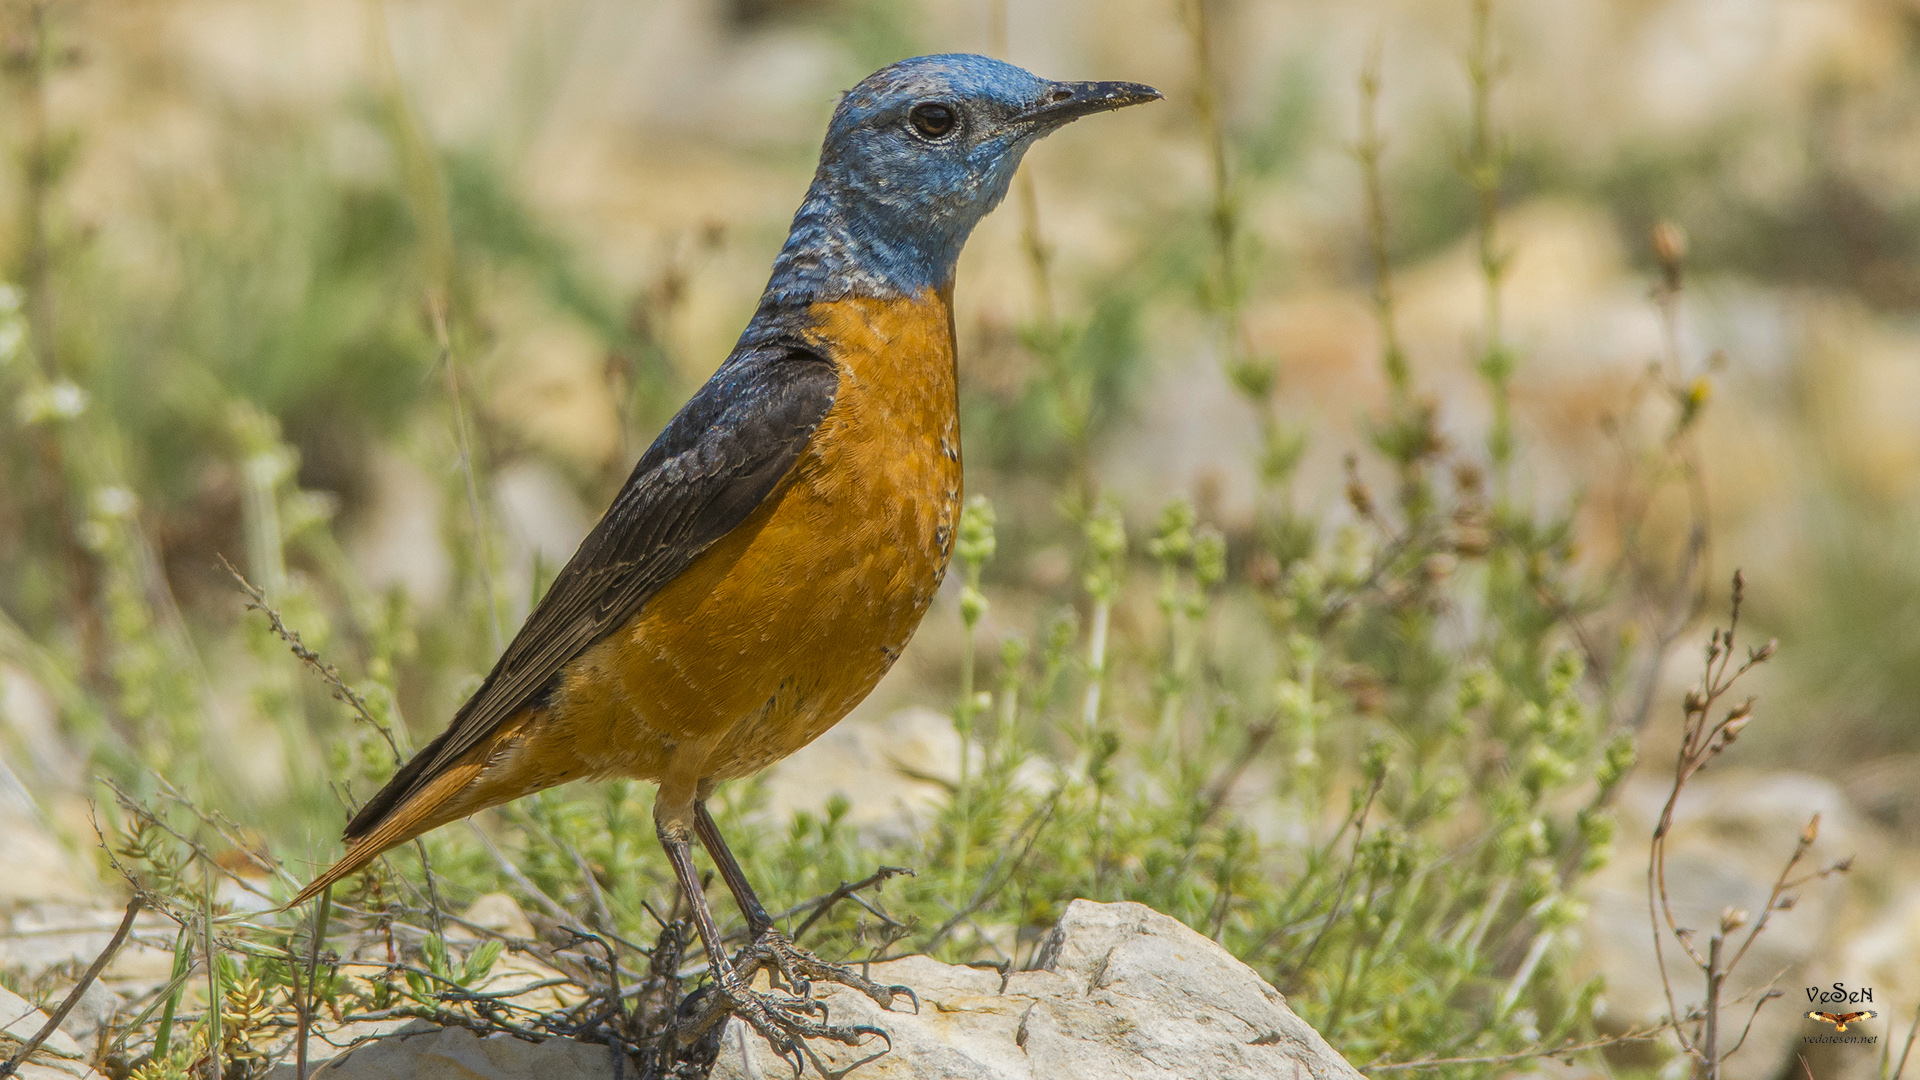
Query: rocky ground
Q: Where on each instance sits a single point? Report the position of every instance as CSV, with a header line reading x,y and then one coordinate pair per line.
x,y
1120,990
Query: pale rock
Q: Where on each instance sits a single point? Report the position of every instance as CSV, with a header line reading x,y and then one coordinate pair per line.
x,y
395,539
542,522
31,742
552,390
35,937
1880,954
96,1011
334,1051
497,912
40,869
892,773
59,1058
1192,433
1121,991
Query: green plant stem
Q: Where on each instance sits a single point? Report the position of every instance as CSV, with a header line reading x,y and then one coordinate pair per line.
x,y
1336,1012
1536,952
320,912
182,963
214,1000
1096,663
963,726
1368,151
483,549
1223,216
1170,609
1484,168
445,293
1073,402
56,482
1498,898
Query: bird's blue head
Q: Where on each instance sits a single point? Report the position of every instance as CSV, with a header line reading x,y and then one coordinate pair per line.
x,y
915,156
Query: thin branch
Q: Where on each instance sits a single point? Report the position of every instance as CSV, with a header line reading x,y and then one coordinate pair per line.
x,y
1751,1017
1222,786
437,309
1643,1035
321,911
137,809
1780,885
1346,876
600,909
1035,824
227,829
846,890
1912,1029
257,601
560,914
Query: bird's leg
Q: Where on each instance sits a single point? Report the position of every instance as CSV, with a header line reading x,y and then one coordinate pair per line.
x,y
781,1020
770,947
758,921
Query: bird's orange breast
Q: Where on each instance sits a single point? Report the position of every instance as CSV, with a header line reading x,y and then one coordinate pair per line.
x,y
786,623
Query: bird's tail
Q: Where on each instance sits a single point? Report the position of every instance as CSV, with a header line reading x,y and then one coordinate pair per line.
x,y
449,794
447,797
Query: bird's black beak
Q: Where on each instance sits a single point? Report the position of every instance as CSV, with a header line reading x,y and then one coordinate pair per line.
x,y
1069,101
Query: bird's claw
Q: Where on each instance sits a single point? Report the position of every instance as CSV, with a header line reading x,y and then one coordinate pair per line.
x,y
800,969
788,1016
788,1020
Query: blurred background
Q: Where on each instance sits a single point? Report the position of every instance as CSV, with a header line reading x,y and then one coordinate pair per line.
x,y
380,301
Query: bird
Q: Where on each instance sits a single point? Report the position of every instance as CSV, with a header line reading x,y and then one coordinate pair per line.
x,y
1840,1020
776,546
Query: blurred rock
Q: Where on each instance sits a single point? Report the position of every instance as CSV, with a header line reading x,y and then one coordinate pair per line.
x,y
1192,431
1884,954
40,936
891,773
1693,62
551,389
395,538
542,522
59,1058
497,912
40,868
96,1012
1732,834
30,739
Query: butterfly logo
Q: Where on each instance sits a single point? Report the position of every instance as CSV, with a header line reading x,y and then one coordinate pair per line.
x,y
1840,1020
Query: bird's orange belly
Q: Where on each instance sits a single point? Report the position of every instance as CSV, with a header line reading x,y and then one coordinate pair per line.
x,y
779,629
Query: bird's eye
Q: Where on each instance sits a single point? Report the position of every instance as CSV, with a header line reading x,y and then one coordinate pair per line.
x,y
930,120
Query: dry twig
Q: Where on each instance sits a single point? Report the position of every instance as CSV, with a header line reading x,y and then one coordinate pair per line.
x,y
1704,738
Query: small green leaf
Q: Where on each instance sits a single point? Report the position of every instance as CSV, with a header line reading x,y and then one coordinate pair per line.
x,y
480,961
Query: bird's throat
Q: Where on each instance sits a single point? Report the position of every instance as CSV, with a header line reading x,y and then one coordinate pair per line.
x,y
845,245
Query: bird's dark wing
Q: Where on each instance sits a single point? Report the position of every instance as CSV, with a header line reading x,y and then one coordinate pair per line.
x,y
719,458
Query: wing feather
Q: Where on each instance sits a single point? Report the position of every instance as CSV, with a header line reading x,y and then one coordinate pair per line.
x,y
719,458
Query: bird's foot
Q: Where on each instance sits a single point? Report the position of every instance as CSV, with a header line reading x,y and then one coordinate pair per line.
x,y
786,1020
800,969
